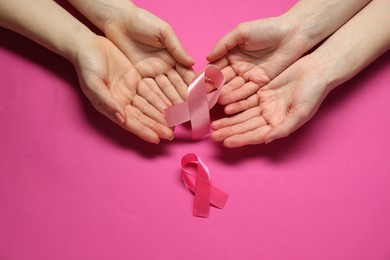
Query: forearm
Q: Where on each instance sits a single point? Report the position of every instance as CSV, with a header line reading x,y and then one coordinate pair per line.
x,y
314,20
355,45
46,23
102,12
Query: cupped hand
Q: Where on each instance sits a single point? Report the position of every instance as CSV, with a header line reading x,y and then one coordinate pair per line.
x,y
154,49
252,55
277,109
115,89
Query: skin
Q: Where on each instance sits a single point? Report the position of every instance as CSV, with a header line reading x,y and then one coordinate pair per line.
x,y
147,41
255,52
107,77
293,97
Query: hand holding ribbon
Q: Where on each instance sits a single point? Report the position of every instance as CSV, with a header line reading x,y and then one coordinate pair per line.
x,y
198,103
200,185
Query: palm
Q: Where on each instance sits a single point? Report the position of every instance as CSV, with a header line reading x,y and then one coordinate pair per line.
x,y
115,88
159,70
275,110
156,54
253,54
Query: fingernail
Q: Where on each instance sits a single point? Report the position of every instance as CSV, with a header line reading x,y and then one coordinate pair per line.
x,y
120,118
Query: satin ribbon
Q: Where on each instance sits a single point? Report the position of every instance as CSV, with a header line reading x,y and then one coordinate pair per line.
x,y
198,103
200,185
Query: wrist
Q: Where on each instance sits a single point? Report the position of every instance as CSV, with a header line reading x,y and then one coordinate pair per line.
x,y
113,15
73,45
305,29
334,64
104,13
314,21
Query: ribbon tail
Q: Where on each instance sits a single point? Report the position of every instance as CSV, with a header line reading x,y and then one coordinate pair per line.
x,y
202,199
218,198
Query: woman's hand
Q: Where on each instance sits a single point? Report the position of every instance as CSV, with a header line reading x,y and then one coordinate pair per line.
x,y
115,89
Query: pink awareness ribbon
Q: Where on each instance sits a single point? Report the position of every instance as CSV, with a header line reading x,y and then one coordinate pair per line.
x,y
200,184
198,103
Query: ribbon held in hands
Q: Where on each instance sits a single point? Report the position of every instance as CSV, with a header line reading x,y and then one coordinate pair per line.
x,y
198,103
200,185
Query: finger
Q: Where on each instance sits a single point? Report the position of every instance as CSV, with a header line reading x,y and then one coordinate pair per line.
x,y
236,119
242,105
151,83
178,82
256,136
157,125
221,63
226,43
168,89
102,100
239,129
174,46
186,73
149,118
229,73
228,91
147,109
150,96
239,92
134,125
295,119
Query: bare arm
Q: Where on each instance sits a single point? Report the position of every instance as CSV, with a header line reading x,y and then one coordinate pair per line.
x,y
46,23
354,46
106,76
293,97
315,20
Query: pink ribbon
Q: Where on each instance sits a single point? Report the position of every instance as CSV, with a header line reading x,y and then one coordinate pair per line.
x,y
200,185
198,103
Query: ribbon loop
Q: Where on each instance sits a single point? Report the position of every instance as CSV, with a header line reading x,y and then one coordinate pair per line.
x,y
196,108
200,184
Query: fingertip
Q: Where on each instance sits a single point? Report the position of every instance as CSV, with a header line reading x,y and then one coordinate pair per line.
x,y
229,110
185,59
166,134
191,61
214,55
230,143
215,125
216,136
211,56
176,49
153,138
150,137
119,118
268,140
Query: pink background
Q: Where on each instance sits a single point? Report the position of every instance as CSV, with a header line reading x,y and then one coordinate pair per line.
x,y
75,186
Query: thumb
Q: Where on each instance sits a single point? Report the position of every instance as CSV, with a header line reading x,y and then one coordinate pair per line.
x,y
225,44
174,46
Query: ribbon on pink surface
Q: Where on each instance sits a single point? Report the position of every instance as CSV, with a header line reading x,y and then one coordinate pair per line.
x,y
198,103
200,184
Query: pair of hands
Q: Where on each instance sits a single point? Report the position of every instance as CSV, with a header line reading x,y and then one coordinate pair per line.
x,y
141,68
270,90
135,72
